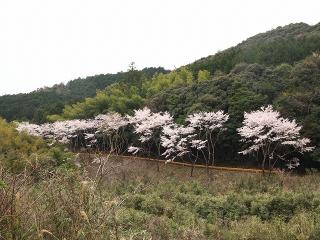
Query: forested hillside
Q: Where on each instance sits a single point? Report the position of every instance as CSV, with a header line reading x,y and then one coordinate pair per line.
x,y
294,90
35,106
286,44
283,45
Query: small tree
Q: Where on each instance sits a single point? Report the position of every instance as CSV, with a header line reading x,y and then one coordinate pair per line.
x,y
112,126
272,137
208,126
179,141
176,140
148,126
203,75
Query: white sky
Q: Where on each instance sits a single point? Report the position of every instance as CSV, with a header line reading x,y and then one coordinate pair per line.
x,y
44,42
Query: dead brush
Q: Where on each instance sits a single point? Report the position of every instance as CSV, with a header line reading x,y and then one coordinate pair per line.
x,y
13,189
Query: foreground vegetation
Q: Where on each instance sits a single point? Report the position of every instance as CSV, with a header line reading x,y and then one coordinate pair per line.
x,y
135,201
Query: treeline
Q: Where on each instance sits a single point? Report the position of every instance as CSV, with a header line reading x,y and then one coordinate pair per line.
x,y
294,90
287,44
125,96
37,105
266,135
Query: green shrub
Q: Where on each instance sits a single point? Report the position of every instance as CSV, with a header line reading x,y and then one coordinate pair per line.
x,y
135,201
130,219
153,205
161,228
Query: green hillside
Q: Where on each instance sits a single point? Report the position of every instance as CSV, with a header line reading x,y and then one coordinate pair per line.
x,y
289,44
286,44
35,106
294,90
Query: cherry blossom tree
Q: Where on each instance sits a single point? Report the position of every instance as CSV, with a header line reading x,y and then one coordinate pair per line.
x,y
272,137
208,127
112,126
180,141
199,146
60,131
31,129
176,140
148,126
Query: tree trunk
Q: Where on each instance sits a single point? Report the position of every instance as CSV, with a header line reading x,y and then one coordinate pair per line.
x,y
158,159
192,168
263,164
213,158
270,167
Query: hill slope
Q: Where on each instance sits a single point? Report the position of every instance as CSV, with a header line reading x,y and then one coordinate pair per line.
x,y
35,106
286,44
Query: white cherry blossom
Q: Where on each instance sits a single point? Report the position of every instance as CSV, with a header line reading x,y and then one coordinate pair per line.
x,y
208,126
275,137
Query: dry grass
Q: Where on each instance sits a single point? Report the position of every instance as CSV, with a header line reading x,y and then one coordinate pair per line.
x,y
135,201
130,169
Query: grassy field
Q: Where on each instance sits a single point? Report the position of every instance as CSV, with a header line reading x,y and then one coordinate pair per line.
x,y
132,200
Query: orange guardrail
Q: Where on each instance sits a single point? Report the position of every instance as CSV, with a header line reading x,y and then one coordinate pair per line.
x,y
230,169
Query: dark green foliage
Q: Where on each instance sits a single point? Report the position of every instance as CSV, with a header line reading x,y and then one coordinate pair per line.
x,y
37,105
294,90
286,44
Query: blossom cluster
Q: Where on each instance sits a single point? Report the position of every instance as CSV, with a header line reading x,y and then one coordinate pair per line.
x,y
267,126
208,120
147,123
175,139
64,131
263,130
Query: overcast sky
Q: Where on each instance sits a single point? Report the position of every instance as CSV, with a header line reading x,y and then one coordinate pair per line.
x,y
44,42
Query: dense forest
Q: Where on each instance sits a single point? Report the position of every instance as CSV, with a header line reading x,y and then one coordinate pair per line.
x,y
287,44
35,106
292,89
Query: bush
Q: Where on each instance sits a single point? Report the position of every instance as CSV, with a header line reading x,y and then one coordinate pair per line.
x,y
154,205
